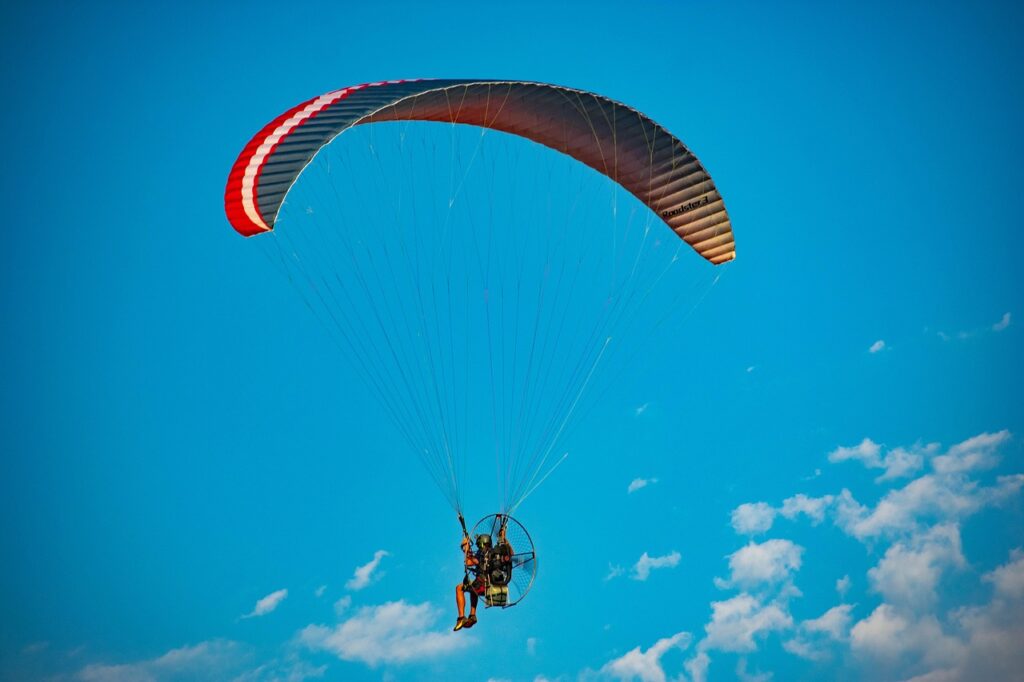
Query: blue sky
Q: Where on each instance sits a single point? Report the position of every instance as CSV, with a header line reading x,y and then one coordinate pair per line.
x,y
181,442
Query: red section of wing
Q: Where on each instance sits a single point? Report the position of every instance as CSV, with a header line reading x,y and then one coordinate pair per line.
x,y
233,192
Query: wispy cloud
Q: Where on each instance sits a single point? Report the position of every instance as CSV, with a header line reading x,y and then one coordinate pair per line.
x,y
267,604
815,474
638,483
392,633
898,462
643,567
614,571
641,409
34,648
210,661
364,574
744,675
974,454
964,335
290,669
342,605
843,585
877,346
319,592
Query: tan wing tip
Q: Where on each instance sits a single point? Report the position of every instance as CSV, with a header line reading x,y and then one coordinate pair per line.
x,y
724,258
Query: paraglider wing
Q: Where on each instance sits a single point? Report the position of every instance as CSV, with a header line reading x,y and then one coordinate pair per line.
x,y
611,138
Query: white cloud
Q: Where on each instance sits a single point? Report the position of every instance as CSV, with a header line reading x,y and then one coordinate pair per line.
x,y
917,529
640,410
1002,324
319,592
993,633
815,637
751,368
531,646
866,452
1009,578
394,633
987,640
812,507
948,494
849,512
889,634
805,649
977,643
214,660
752,518
906,633
698,666
909,572
267,604
645,666
835,622
843,585
877,346
364,574
737,622
902,462
928,498
646,563
638,483
770,562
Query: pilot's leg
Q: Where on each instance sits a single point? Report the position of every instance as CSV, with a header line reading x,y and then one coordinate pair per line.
x,y
460,599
